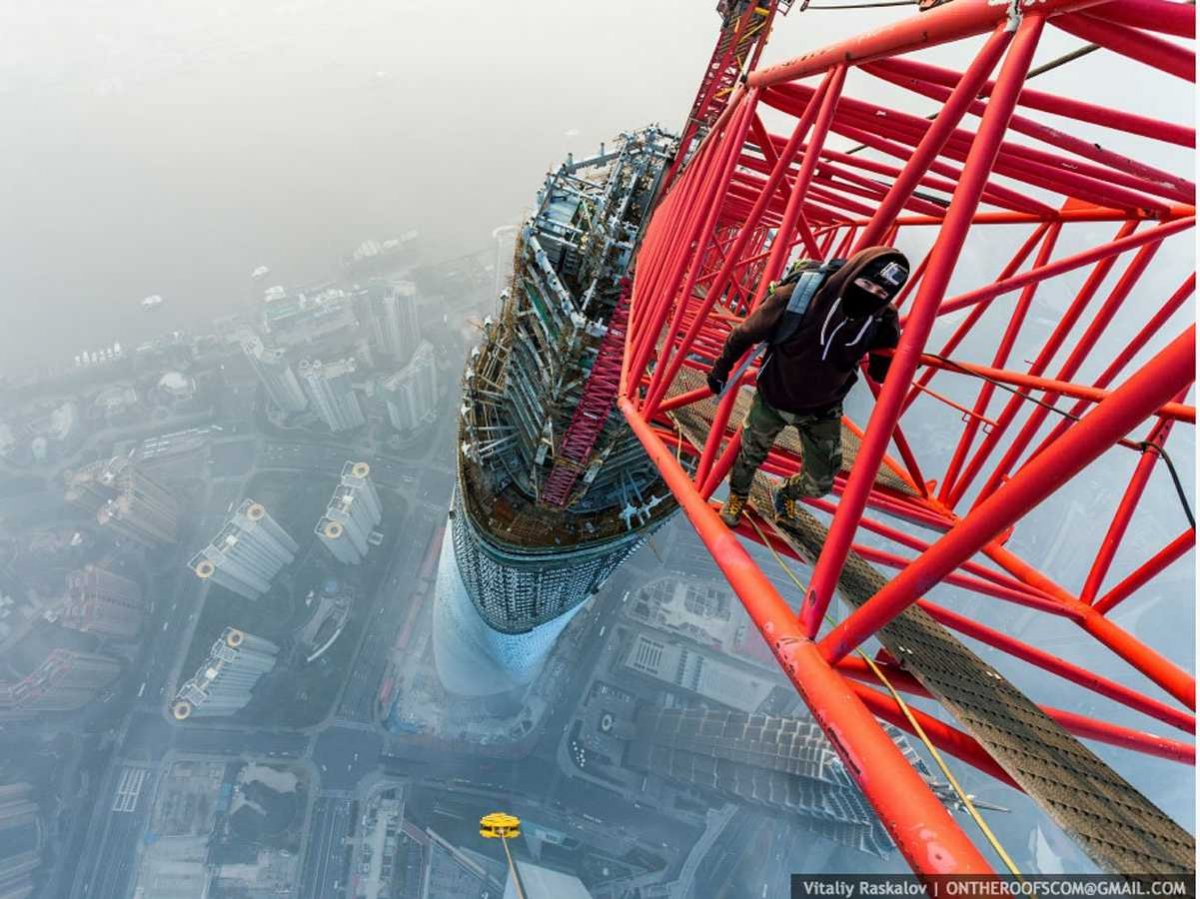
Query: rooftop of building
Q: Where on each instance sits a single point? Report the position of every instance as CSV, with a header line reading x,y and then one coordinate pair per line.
x,y
540,882
513,521
336,368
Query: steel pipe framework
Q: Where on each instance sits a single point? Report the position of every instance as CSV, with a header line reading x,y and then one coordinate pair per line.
x,y
748,200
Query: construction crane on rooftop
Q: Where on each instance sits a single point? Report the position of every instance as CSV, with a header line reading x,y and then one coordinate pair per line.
x,y
740,202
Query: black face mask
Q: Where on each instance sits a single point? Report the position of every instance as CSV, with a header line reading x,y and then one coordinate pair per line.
x,y
859,303
887,274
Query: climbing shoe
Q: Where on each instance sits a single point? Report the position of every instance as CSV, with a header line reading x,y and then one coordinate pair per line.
x,y
787,508
731,512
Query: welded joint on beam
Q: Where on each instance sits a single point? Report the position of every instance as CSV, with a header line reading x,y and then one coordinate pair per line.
x,y
1014,16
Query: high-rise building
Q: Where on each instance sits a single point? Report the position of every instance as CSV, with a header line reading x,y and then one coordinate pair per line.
x,y
411,393
142,509
21,840
394,320
357,476
782,764
540,882
86,490
353,513
99,601
674,663
338,542
554,491
304,318
223,684
66,680
276,374
125,500
247,553
333,397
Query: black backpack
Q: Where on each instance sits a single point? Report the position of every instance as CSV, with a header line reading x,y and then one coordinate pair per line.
x,y
809,276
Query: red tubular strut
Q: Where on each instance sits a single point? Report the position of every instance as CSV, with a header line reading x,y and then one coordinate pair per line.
x,y
745,201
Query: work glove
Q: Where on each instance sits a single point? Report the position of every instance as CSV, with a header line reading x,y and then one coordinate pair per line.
x,y
715,384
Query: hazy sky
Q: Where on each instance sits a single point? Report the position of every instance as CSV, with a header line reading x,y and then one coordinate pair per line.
x,y
171,146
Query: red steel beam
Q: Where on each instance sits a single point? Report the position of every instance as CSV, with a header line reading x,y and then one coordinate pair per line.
x,y
1149,178
1060,667
1123,358
730,147
1124,512
926,834
963,746
1162,16
1146,572
1174,411
986,389
940,25
943,258
1079,353
781,245
1068,263
1137,45
1161,378
935,137
1017,649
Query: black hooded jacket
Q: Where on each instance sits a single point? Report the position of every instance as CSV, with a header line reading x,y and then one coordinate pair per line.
x,y
816,368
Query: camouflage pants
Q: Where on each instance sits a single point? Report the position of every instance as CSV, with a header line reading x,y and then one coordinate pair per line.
x,y
820,447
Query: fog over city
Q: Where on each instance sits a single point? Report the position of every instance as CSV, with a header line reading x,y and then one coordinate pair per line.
x,y
306,309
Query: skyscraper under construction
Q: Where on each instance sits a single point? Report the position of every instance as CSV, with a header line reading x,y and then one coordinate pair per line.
x,y
554,491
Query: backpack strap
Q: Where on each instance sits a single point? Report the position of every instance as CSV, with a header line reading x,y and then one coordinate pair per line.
x,y
807,276
807,282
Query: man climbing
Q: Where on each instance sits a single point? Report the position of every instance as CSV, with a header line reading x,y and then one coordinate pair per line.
x,y
815,343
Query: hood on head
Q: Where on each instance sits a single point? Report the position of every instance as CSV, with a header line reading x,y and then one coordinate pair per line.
x,y
886,266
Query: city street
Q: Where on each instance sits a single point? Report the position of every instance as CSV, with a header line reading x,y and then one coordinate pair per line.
x,y
106,868
327,857
345,750
344,755
388,609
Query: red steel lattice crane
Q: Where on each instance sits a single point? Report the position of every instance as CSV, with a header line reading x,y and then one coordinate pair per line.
x,y
1022,407
745,27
